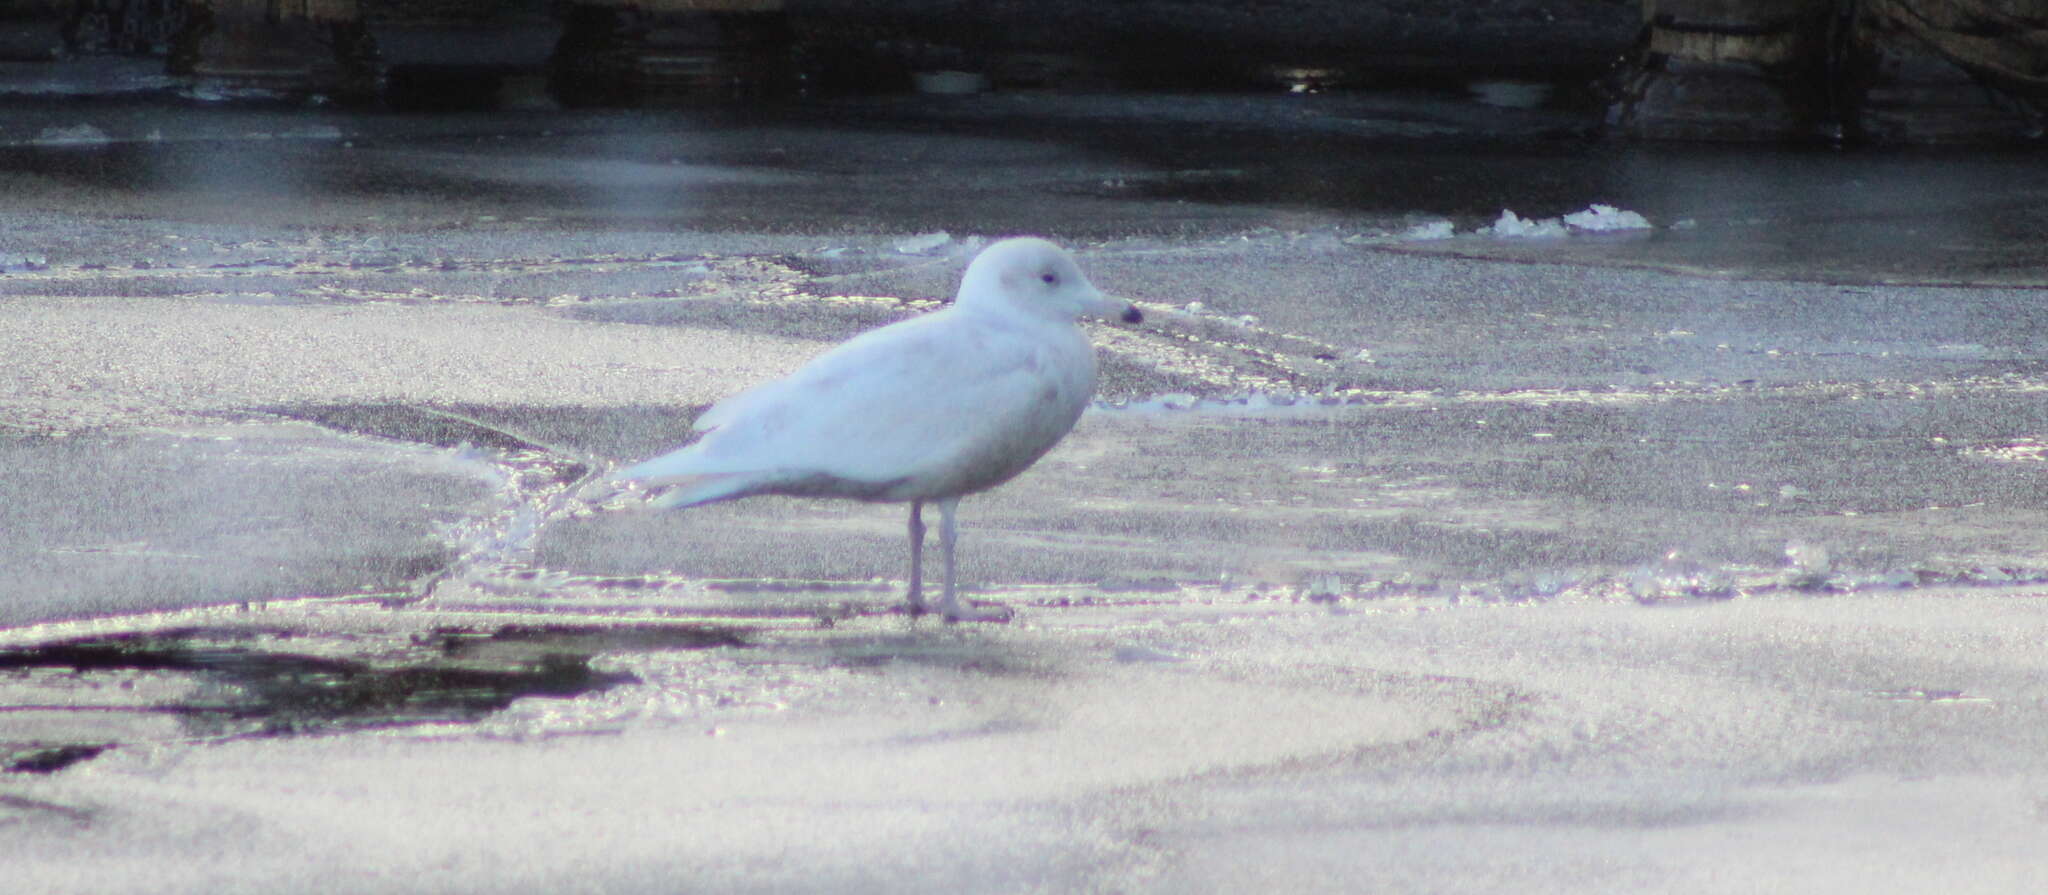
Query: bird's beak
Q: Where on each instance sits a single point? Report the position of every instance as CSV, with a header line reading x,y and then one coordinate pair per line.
x,y
1110,307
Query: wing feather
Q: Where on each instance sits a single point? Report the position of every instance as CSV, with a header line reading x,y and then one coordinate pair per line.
x,y
920,400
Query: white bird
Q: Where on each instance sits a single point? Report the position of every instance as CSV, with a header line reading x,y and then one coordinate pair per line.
x,y
928,409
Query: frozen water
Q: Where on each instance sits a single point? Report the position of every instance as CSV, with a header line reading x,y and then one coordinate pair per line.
x,y
1511,94
1330,624
219,93
1783,742
74,135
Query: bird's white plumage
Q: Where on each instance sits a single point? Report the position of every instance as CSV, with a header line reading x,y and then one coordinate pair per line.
x,y
930,403
932,408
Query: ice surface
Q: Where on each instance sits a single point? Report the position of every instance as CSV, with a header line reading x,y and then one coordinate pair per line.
x,y
925,244
213,514
73,135
1545,526
1582,747
150,367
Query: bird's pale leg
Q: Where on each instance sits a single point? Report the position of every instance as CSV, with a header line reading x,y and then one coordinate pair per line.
x,y
917,606
949,600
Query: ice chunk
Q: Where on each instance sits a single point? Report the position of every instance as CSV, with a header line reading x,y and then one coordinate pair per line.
x,y
1605,218
1511,225
1808,557
1811,569
1437,229
1323,587
924,244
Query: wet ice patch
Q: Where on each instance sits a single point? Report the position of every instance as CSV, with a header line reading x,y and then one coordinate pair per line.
x,y
1922,694
219,93
102,76
2018,450
1967,351
18,262
1139,653
73,135
240,676
947,82
311,132
1511,94
1253,404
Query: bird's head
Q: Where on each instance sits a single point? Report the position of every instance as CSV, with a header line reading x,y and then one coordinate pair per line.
x,y
1038,278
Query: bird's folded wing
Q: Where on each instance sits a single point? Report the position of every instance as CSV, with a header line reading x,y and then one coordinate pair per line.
x,y
865,352
892,403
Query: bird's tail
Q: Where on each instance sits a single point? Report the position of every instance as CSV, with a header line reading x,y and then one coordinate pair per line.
x,y
690,491
684,486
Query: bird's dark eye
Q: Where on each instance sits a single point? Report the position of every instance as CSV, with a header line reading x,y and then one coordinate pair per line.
x,y
1050,278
